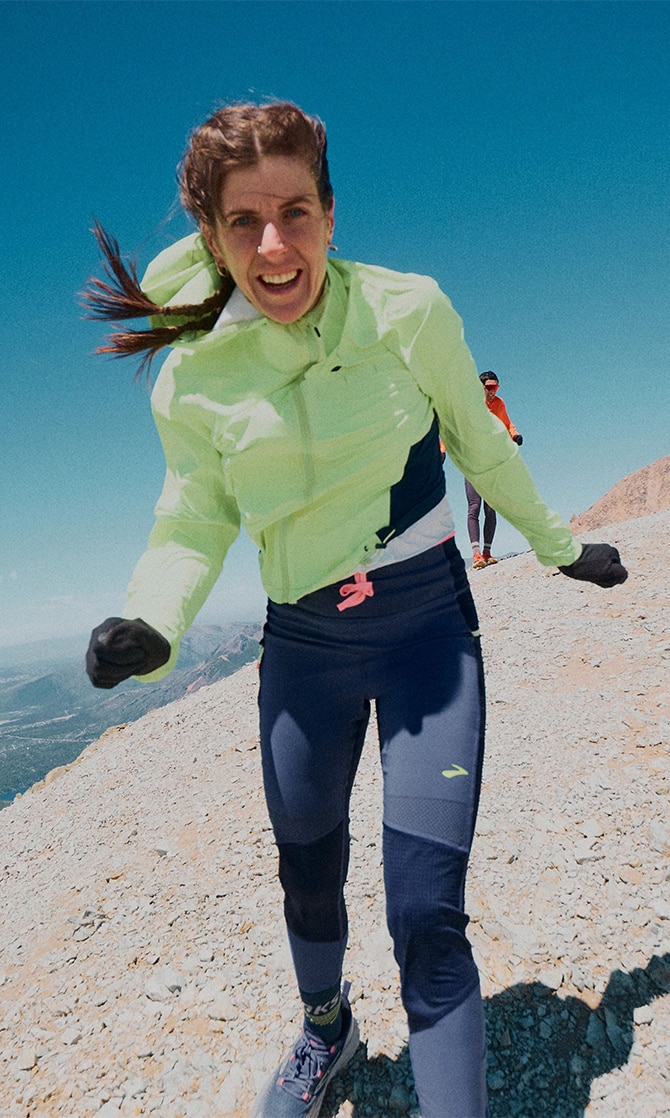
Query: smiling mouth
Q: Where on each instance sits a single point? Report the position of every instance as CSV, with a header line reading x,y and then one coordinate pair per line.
x,y
282,279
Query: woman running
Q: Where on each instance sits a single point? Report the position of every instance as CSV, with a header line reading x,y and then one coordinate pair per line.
x,y
304,399
496,406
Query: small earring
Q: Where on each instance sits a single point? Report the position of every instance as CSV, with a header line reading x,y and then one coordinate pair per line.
x,y
331,246
258,250
222,270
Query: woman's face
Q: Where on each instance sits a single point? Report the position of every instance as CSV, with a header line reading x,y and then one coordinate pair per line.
x,y
272,234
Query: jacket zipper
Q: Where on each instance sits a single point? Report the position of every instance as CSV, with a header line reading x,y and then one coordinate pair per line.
x,y
315,352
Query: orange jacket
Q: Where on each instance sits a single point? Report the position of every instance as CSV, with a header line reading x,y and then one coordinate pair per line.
x,y
497,406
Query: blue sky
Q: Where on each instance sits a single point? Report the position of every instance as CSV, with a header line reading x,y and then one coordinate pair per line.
x,y
517,152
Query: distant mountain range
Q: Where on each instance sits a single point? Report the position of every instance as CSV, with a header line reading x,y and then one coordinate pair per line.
x,y
49,712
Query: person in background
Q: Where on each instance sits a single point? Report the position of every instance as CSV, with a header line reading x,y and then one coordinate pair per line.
x,y
482,557
304,398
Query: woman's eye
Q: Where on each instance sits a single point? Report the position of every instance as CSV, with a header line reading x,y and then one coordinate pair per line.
x,y
296,211
241,222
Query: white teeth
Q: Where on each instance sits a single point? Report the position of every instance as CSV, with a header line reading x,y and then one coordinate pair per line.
x,y
285,277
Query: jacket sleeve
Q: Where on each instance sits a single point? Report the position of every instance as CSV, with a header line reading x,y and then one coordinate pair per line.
x,y
476,441
498,408
196,523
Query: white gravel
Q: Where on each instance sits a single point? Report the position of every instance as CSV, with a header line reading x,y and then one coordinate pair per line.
x,y
143,964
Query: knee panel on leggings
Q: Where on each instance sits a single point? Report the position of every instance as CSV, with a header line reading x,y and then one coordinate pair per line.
x,y
312,876
424,888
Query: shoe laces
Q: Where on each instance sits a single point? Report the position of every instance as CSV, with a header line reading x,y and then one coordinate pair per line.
x,y
306,1066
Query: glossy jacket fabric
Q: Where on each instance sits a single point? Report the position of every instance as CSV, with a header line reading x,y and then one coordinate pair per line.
x,y
300,432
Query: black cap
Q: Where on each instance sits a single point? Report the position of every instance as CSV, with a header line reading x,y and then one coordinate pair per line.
x,y
488,376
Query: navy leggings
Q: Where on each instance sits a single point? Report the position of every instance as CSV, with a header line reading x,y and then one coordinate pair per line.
x,y
411,646
474,508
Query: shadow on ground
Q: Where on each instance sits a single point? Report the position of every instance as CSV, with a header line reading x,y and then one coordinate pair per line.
x,y
545,1051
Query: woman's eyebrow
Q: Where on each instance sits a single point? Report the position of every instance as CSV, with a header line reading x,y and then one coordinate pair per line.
x,y
247,211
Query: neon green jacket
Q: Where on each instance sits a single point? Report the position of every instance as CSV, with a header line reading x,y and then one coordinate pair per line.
x,y
299,431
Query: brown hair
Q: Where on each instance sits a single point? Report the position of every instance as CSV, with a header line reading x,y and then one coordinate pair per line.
x,y
235,137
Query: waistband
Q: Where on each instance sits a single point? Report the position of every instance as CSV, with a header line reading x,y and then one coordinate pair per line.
x,y
390,589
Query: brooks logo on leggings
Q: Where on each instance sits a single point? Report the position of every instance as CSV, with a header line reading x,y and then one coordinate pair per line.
x,y
455,770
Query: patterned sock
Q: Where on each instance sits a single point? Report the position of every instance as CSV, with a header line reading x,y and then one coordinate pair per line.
x,y
486,552
323,1012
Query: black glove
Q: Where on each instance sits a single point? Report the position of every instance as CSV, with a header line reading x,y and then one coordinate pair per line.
x,y
120,648
518,439
597,563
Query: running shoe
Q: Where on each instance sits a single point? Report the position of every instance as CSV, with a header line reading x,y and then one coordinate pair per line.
x,y
490,561
297,1088
478,561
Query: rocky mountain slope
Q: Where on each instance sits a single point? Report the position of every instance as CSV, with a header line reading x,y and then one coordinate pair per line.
x,y
639,494
143,964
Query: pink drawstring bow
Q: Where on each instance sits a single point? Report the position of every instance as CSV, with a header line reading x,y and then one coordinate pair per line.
x,y
357,591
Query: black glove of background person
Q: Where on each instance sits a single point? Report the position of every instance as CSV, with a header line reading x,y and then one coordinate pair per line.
x,y
597,563
119,648
518,439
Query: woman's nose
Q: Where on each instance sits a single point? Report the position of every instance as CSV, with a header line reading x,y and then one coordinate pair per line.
x,y
271,240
